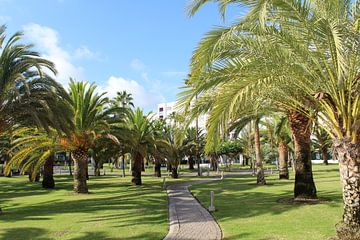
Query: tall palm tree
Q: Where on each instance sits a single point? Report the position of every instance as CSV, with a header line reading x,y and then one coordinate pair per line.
x,y
27,94
309,55
89,125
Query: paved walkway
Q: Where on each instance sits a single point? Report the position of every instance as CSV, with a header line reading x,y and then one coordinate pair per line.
x,y
188,219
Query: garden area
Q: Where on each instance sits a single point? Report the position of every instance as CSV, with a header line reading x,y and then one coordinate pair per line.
x,y
261,141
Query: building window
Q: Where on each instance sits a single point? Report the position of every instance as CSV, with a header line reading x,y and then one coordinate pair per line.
x,y
161,117
161,109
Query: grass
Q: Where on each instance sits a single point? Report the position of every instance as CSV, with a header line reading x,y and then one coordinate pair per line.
x,y
113,210
248,211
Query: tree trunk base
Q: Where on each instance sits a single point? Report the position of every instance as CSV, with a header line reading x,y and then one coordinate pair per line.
x,y
157,170
174,173
283,174
346,232
260,177
48,183
80,171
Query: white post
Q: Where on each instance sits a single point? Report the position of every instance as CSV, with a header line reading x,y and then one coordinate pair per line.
x,y
164,183
212,207
222,175
208,171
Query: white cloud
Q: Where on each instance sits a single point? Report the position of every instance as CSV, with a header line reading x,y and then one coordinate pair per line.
x,y
142,97
137,65
47,40
84,52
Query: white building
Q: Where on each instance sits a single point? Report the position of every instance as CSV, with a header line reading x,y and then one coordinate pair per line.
x,y
164,111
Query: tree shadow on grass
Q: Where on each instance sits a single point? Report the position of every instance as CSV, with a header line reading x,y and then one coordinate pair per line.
x,y
114,203
24,233
238,197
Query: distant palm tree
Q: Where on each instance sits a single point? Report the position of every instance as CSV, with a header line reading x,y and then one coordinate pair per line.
x,y
322,142
137,133
123,99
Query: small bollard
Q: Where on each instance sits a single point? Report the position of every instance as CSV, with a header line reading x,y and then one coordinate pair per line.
x,y
164,183
270,170
208,172
212,207
222,175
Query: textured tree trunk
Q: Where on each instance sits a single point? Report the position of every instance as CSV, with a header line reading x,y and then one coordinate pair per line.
x,y
213,162
283,161
348,154
300,126
157,167
260,176
136,169
143,165
191,163
48,177
174,172
79,156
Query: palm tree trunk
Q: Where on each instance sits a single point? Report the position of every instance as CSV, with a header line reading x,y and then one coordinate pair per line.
x,y
283,161
142,165
300,126
174,172
325,155
136,169
348,154
48,177
123,165
70,159
260,176
157,167
191,162
79,156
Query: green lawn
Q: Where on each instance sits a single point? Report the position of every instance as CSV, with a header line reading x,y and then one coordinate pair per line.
x,y
248,211
113,210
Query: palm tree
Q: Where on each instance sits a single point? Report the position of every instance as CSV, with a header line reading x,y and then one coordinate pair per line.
x,y
283,138
322,142
175,150
309,55
33,149
137,132
238,125
27,94
89,125
123,100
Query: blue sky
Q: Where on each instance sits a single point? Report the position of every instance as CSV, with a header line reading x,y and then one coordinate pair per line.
x,y
142,46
